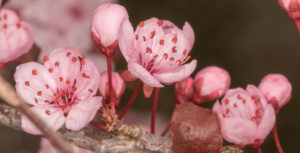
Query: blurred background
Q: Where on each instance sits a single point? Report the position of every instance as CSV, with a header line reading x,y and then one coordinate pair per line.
x,y
249,39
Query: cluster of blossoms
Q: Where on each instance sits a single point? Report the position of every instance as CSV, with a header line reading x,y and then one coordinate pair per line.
x,y
64,89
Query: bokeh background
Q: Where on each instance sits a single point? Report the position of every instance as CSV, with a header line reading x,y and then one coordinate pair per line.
x,y
250,39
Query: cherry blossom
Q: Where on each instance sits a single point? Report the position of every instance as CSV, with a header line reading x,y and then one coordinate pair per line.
x,y
246,117
277,89
292,7
15,36
157,51
210,83
61,91
105,25
46,147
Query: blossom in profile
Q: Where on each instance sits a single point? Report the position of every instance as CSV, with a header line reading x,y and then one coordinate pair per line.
x,y
61,91
292,7
16,38
246,117
210,83
157,51
105,25
46,147
277,89
118,85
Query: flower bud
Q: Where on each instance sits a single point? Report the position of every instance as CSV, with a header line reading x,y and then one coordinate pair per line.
x,y
292,7
106,24
117,83
184,90
277,89
210,83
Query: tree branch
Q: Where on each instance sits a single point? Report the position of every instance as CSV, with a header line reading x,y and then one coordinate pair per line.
x,y
99,141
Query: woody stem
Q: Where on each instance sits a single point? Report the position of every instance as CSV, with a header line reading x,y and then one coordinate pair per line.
x,y
131,100
154,106
109,70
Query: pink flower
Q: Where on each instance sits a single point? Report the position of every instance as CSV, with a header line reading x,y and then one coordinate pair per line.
x,y
15,36
210,83
46,147
61,91
157,51
118,85
184,90
292,7
106,23
246,117
277,89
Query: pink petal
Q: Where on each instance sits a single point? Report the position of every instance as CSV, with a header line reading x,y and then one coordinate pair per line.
x,y
238,131
53,117
126,39
87,81
217,107
178,74
267,123
65,64
140,72
31,83
189,33
82,113
254,91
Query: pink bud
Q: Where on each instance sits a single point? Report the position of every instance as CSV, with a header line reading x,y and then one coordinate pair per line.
x,y
15,36
184,90
210,83
105,25
292,7
118,85
276,89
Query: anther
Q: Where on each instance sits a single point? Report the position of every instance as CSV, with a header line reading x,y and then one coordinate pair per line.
x,y
34,72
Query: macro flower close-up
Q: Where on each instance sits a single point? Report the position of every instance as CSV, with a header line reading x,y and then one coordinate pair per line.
x,y
159,76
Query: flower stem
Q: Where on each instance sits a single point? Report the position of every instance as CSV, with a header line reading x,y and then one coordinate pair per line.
x,y
131,100
154,105
166,129
109,70
258,150
276,139
100,126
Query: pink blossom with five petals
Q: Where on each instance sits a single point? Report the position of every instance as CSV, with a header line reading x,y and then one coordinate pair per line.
x,y
61,91
15,36
157,51
246,117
